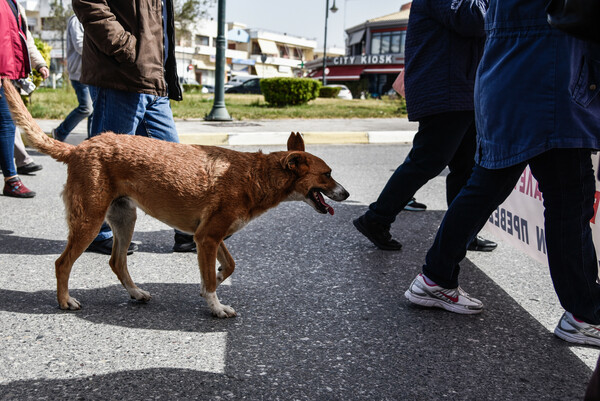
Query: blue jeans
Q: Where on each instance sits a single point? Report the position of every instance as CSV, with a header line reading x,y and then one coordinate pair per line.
x,y
445,139
566,179
7,138
83,110
132,114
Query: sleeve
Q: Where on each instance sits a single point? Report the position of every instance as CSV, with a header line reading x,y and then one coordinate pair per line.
x,y
465,17
76,34
37,60
106,33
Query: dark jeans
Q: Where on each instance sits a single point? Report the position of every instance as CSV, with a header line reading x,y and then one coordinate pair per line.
x,y
446,139
7,138
83,110
566,179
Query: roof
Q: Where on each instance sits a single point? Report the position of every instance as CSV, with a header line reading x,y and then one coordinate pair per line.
x,y
397,16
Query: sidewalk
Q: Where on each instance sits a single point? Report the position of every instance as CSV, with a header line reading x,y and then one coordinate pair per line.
x,y
276,132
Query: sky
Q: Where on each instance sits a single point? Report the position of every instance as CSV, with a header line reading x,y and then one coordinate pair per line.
x,y
306,18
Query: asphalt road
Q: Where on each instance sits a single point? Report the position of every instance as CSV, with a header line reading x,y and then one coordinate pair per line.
x,y
321,312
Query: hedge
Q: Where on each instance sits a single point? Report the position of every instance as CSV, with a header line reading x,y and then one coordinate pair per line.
x,y
289,91
329,91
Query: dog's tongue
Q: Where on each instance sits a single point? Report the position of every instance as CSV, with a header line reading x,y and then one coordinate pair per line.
x,y
329,208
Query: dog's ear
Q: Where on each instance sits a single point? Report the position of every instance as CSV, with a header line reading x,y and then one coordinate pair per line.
x,y
293,161
295,142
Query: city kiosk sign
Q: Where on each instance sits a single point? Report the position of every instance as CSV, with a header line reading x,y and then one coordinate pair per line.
x,y
368,59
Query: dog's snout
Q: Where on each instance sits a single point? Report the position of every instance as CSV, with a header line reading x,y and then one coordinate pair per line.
x,y
338,193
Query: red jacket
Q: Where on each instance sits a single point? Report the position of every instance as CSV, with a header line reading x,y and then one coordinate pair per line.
x,y
14,59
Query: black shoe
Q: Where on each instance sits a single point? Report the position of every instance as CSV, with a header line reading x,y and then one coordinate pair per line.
x,y
482,245
105,247
377,234
415,206
184,243
29,168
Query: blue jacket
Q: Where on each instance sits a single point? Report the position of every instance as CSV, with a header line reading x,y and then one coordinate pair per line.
x,y
444,42
537,88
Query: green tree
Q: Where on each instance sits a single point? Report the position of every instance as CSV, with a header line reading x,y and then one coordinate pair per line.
x,y
187,12
44,49
57,22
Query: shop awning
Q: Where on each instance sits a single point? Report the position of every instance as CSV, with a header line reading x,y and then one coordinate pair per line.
x,y
383,69
341,73
267,71
268,47
356,37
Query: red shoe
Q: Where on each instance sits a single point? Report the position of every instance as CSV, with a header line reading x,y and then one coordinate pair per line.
x,y
15,188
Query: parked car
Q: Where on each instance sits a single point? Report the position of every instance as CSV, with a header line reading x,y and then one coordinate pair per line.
x,y
250,86
238,80
188,81
344,91
208,89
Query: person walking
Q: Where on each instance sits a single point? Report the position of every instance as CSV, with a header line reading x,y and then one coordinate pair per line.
x,y
84,108
537,102
24,162
444,42
129,63
14,64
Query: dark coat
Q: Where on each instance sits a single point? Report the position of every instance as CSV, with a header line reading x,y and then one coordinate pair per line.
x,y
444,42
537,88
123,46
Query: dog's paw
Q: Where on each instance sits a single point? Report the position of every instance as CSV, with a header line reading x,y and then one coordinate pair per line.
x,y
71,304
140,295
224,311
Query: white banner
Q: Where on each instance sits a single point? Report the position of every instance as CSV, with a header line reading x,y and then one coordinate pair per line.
x,y
520,219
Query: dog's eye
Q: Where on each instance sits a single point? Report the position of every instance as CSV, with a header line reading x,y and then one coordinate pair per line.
x,y
327,175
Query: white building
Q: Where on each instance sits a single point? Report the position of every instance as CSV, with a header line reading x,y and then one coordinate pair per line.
x,y
249,51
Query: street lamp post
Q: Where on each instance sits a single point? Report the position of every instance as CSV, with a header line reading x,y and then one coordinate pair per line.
x,y
333,10
219,111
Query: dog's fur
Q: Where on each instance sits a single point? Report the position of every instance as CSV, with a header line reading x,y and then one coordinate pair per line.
x,y
206,191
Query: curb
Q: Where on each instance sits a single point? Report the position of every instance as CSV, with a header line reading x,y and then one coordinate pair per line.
x,y
310,138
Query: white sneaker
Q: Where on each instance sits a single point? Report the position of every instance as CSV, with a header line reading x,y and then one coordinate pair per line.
x,y
454,299
576,331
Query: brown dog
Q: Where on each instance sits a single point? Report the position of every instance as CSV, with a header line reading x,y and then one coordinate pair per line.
x,y
206,191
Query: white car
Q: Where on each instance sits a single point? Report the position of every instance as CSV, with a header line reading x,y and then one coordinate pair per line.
x,y
344,91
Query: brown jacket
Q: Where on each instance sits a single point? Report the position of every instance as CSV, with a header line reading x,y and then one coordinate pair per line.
x,y
123,46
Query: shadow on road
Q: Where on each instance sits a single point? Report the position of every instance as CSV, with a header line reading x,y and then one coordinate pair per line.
x,y
322,316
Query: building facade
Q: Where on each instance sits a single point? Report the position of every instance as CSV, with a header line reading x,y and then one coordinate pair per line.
x,y
374,55
249,51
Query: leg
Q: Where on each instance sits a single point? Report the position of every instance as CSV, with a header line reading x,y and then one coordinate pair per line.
x,y
83,226
158,121
22,158
7,139
83,110
467,214
227,263
208,245
461,165
121,217
119,112
566,179
434,146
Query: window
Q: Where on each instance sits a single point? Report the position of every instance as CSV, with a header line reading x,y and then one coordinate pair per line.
x,y
388,42
201,40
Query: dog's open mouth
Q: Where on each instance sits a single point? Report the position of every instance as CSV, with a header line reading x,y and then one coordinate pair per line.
x,y
319,202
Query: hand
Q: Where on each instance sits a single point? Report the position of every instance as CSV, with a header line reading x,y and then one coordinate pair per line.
x,y
44,72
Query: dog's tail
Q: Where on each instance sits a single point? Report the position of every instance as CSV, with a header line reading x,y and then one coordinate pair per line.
x,y
35,135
